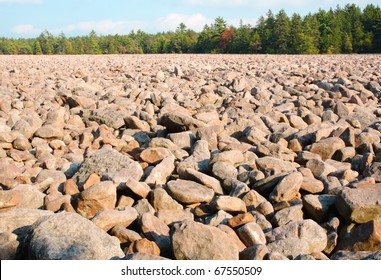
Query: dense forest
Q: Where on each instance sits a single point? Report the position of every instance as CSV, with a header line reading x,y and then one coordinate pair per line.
x,y
340,30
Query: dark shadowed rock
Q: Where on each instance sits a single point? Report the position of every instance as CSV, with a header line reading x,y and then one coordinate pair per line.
x,y
359,205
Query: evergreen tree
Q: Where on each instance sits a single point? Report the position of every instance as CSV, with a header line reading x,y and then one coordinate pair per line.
x,y
37,48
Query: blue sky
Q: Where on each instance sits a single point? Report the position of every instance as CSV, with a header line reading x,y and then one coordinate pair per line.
x,y
28,18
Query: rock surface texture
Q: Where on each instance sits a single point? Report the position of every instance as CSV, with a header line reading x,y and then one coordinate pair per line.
x,y
189,157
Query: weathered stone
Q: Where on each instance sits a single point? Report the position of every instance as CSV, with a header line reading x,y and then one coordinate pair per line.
x,y
161,172
275,164
240,220
356,255
140,189
68,236
307,230
125,236
161,200
104,160
251,234
199,177
153,227
195,241
170,216
189,192
326,148
49,131
177,122
255,252
154,155
287,188
284,216
233,235
143,246
111,118
365,237
143,206
98,197
224,170
107,219
221,217
359,205
290,247
320,168
312,185
229,204
318,207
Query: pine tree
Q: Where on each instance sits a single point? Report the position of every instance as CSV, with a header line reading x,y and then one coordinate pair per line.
x,y
37,48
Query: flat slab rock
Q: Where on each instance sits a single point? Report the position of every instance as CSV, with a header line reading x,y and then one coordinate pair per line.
x,y
189,192
106,160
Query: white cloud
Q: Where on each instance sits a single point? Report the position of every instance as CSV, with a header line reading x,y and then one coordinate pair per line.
x,y
104,27
195,22
21,1
25,29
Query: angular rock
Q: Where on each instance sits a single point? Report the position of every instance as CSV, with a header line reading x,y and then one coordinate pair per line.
x,y
359,205
144,246
318,207
274,164
170,216
195,241
177,122
105,160
161,200
161,172
107,219
251,234
154,155
255,252
366,237
284,216
111,118
199,177
287,188
326,148
290,247
98,197
240,220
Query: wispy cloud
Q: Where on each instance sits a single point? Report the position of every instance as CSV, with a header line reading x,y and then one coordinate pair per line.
x,y
195,22
25,29
104,26
21,1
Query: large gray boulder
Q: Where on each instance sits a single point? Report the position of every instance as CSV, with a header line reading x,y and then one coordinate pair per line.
x,y
69,236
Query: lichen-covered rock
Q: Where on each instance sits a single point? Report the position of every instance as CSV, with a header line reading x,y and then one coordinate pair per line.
x,y
68,236
105,160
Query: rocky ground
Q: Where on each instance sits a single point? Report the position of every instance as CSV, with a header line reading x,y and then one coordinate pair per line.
x,y
190,157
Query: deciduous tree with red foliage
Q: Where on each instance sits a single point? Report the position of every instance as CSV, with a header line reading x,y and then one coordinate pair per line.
x,y
227,40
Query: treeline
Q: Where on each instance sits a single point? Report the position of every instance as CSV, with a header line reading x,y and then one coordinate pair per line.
x,y
342,30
